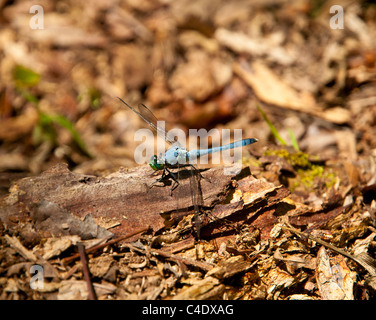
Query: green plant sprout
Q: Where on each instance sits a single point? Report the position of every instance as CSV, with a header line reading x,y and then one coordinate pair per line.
x,y
306,171
275,133
44,130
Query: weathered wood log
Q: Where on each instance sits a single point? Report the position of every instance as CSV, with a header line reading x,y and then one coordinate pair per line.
x,y
62,202
123,199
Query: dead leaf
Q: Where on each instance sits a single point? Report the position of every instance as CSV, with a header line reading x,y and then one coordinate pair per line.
x,y
230,267
77,290
273,90
276,280
208,288
55,246
335,280
99,266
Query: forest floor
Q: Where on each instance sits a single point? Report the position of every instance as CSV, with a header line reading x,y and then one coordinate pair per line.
x,y
78,219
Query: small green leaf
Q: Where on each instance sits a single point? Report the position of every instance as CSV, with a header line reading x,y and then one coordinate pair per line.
x,y
271,127
29,97
25,77
95,98
293,140
44,129
67,124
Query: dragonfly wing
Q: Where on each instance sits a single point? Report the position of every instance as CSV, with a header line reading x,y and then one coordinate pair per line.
x,y
145,114
152,120
196,195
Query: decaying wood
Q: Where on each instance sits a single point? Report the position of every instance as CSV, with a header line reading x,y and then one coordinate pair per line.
x,y
17,245
102,245
204,289
254,203
61,202
199,264
242,226
123,199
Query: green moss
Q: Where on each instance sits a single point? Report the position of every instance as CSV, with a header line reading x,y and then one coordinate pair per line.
x,y
297,159
251,162
307,173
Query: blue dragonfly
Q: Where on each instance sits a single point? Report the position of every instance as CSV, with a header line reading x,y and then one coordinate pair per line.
x,y
177,156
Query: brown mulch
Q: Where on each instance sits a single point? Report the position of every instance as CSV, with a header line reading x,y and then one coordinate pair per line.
x,y
78,219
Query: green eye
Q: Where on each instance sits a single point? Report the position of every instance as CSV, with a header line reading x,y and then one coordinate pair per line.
x,y
154,163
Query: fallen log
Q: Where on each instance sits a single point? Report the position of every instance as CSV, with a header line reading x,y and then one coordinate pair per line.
x,y
61,202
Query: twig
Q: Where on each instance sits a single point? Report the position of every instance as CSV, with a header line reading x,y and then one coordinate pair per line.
x,y
364,261
199,264
18,246
103,245
85,270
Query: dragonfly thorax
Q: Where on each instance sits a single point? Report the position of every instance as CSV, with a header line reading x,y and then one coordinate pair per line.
x,y
176,156
173,158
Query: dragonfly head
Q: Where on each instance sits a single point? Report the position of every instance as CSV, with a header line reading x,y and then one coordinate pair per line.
x,y
155,164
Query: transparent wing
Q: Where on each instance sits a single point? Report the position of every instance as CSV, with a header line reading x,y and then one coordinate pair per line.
x,y
148,116
196,194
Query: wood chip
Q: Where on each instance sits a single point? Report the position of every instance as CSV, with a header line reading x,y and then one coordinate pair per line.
x,y
17,245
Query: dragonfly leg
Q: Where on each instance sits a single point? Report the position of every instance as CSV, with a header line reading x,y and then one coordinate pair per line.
x,y
164,176
176,182
160,179
207,179
198,171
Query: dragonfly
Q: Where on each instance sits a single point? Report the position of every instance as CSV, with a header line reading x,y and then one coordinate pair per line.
x,y
177,157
